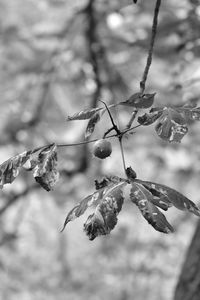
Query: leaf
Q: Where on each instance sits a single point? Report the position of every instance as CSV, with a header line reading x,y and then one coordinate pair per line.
x,y
45,172
171,126
104,219
92,123
10,168
149,118
142,198
139,100
191,113
84,114
91,200
171,196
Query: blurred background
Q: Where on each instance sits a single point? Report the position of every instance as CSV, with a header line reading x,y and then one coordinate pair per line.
x,y
58,57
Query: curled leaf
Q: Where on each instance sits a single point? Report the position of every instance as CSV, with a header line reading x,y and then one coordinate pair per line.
x,y
45,172
171,126
10,168
84,114
143,199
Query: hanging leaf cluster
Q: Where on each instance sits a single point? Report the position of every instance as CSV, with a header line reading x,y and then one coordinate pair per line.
x,y
171,122
108,199
42,161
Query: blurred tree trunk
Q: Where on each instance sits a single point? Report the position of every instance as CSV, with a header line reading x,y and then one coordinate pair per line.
x,y
188,287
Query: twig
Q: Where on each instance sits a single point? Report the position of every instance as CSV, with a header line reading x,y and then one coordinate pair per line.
x,y
151,47
122,153
111,118
93,48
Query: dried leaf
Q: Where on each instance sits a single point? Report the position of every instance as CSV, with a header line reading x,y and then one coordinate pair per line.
x,y
171,126
93,200
104,219
10,168
143,199
84,114
82,206
170,197
149,118
139,100
45,172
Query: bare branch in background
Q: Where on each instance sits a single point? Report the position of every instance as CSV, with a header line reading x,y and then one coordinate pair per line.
x,y
150,53
14,197
93,48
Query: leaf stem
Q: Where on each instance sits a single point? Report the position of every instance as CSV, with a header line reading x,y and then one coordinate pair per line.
x,y
118,132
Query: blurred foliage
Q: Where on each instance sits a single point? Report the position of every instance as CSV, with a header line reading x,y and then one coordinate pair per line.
x,y
54,63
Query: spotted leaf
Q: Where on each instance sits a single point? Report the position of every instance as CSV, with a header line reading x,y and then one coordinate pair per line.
x,y
169,197
45,172
143,199
11,167
171,126
104,219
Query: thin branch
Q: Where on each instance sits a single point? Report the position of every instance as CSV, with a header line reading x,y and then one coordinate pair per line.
x,y
111,118
151,47
122,153
93,48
